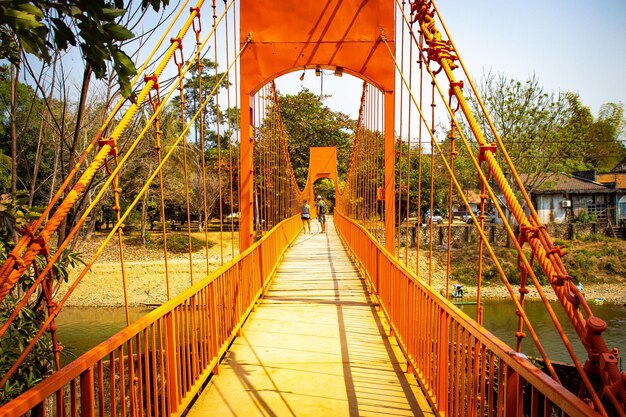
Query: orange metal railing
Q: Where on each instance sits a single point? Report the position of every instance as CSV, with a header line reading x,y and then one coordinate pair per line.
x,y
174,349
463,369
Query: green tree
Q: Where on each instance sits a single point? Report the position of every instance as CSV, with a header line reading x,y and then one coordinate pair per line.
x,y
604,149
308,123
14,214
207,79
27,117
422,175
547,133
41,27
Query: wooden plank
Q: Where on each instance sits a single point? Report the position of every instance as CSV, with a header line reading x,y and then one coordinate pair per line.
x,y
315,346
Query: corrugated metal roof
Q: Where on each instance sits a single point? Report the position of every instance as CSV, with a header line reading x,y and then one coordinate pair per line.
x,y
567,183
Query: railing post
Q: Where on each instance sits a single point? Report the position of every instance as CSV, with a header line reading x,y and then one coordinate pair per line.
x,y
214,327
513,404
171,362
443,363
87,397
376,270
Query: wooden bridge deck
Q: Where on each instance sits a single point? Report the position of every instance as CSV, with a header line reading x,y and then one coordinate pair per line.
x,y
315,346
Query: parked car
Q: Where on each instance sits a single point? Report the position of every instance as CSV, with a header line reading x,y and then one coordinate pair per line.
x,y
461,215
466,218
489,217
232,216
436,217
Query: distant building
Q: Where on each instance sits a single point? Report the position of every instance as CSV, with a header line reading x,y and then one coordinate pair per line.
x,y
617,179
561,198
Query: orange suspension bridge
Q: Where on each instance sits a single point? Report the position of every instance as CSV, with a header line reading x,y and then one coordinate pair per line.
x,y
257,326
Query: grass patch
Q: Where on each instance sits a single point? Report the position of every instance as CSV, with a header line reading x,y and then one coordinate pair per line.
x,y
176,242
595,238
596,259
562,242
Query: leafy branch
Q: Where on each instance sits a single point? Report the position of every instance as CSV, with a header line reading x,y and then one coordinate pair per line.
x,y
39,27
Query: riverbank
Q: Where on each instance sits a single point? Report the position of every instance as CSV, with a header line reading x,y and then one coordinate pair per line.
x,y
146,285
146,282
598,292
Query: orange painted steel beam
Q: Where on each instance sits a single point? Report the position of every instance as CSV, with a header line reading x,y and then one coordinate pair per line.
x,y
322,164
294,35
246,173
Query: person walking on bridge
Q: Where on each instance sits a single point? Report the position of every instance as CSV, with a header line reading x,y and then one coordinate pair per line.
x,y
320,206
305,215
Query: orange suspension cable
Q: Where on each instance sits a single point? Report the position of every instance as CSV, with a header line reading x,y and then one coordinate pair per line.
x,y
450,201
181,91
409,151
204,217
432,187
219,141
156,103
230,143
418,231
400,141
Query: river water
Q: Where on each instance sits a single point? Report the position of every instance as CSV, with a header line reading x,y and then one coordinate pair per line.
x,y
500,319
81,328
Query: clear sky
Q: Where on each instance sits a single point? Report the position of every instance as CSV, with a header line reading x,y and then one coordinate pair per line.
x,y
571,45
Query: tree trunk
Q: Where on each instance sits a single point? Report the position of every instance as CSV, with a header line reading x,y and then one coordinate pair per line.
x,y
144,217
15,70
33,185
62,231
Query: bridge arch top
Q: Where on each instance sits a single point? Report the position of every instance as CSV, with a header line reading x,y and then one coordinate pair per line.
x,y
332,34
326,68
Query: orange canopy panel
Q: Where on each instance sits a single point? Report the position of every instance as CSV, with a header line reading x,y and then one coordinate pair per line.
x,y
294,34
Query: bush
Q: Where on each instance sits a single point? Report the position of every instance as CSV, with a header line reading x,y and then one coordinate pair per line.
x,y
605,251
466,274
176,242
585,217
39,362
562,242
179,243
595,237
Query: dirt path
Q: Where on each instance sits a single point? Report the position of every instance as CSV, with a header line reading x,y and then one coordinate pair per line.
x,y
147,279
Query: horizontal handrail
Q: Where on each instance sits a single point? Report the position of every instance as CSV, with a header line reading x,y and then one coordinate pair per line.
x,y
174,348
462,367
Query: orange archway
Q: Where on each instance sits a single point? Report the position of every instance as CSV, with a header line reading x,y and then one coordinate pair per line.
x,y
342,35
322,164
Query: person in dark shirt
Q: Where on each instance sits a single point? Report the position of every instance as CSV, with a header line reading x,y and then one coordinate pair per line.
x,y
320,206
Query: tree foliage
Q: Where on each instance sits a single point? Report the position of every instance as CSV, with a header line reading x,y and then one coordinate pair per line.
x,y
28,111
308,123
42,27
419,172
548,133
603,147
207,77
14,214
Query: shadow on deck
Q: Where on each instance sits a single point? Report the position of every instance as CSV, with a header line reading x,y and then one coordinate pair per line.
x,y
315,346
